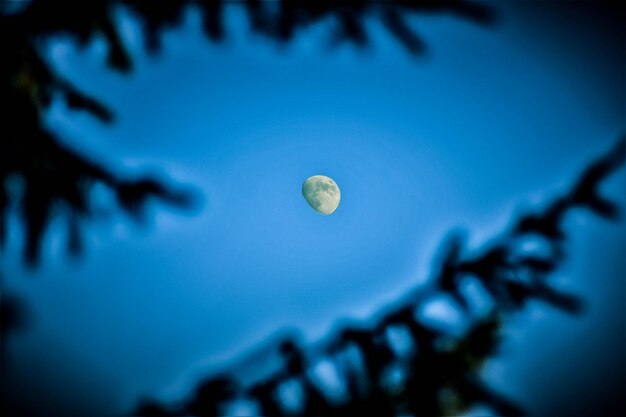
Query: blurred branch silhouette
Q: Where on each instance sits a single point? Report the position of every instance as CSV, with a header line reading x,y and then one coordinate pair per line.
x,y
426,369
43,178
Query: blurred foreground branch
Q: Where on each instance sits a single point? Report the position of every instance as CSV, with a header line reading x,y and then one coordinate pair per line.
x,y
43,179
399,363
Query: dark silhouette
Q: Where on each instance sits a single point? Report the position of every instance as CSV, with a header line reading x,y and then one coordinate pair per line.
x,y
53,175
265,395
41,178
586,192
447,274
209,395
441,375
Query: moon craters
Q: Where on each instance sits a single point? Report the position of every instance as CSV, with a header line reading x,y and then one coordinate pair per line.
x,y
322,194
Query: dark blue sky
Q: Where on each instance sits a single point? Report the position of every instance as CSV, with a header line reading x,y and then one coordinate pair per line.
x,y
490,121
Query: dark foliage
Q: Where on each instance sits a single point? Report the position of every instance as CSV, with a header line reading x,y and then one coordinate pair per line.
x,y
58,180
440,374
42,178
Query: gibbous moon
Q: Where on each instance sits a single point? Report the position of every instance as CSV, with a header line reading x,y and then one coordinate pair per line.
x,y
322,194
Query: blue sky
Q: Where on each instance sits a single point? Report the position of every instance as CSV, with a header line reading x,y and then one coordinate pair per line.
x,y
492,120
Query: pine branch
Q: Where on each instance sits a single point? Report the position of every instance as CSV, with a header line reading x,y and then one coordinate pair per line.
x,y
56,176
441,375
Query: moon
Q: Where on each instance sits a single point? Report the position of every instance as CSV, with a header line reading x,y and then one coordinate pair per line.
x,y
322,194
